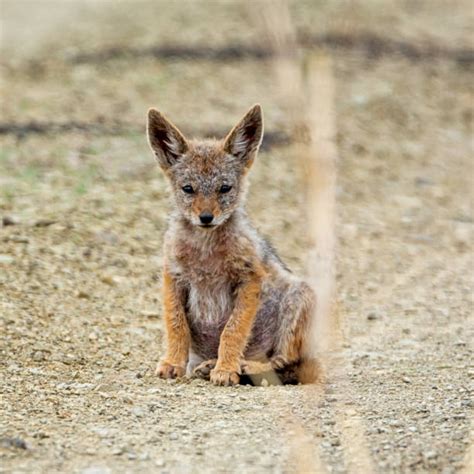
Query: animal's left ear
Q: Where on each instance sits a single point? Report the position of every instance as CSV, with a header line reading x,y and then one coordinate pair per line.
x,y
244,140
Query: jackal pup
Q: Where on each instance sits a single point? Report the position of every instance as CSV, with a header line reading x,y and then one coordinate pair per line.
x,y
228,298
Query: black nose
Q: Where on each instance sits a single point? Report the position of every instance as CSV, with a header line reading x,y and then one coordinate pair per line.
x,y
206,217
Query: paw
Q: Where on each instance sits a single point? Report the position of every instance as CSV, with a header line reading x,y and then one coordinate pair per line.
x,y
224,377
203,370
279,362
166,370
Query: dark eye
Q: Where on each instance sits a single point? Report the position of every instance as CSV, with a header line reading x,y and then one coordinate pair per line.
x,y
188,189
225,188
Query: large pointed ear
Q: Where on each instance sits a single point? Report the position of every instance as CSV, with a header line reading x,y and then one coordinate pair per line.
x,y
245,138
166,141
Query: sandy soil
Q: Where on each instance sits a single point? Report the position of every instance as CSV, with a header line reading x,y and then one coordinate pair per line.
x,y
84,213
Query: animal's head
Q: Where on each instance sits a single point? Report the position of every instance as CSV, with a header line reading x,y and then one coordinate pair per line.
x,y
208,177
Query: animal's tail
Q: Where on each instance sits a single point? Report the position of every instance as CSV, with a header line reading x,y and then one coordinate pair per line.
x,y
304,371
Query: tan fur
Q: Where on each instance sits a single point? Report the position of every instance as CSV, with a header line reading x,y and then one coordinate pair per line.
x,y
237,331
228,298
177,330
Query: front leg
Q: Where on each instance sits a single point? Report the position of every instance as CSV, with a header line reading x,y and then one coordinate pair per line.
x,y
178,338
235,335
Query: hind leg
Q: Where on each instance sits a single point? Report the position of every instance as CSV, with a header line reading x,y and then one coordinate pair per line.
x,y
203,370
295,313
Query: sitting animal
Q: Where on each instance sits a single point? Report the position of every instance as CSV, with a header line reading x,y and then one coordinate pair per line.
x,y
228,298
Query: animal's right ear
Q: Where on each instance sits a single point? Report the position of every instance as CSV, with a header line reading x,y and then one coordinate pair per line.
x,y
166,141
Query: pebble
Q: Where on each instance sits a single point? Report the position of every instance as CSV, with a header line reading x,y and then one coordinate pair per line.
x,y
101,432
373,315
463,234
150,314
96,470
39,356
138,412
44,223
395,423
110,280
9,220
6,259
17,443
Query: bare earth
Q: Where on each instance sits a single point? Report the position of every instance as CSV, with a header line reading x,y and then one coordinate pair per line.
x,y
84,211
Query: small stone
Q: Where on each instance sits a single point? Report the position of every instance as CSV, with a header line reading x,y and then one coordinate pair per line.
x,y
174,436
371,286
109,280
17,443
6,259
463,234
19,239
373,315
131,456
39,356
102,432
83,294
96,470
138,412
406,380
8,220
150,314
160,463
430,454
44,223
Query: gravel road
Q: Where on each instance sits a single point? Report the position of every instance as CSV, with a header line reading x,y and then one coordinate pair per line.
x,y
83,215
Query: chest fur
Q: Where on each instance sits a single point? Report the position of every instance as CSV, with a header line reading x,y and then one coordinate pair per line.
x,y
210,274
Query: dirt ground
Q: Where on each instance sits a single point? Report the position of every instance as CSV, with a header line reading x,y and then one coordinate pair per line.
x,y
84,209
